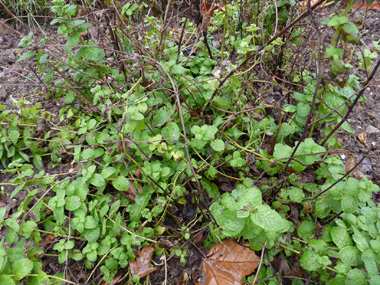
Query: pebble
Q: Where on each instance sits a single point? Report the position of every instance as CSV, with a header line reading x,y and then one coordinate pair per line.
x,y
372,130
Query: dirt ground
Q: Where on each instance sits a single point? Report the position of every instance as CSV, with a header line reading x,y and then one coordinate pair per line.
x,y
21,80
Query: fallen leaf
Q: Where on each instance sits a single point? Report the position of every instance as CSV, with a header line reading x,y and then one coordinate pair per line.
x,y
207,10
141,265
373,6
283,266
362,138
227,263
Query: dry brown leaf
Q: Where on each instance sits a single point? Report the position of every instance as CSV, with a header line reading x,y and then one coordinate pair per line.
x,y
362,138
312,3
141,265
207,10
373,6
350,163
228,263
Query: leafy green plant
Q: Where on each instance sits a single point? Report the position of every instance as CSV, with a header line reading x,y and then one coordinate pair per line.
x,y
144,130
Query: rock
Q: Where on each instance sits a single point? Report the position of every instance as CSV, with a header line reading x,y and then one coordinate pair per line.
x,y
372,130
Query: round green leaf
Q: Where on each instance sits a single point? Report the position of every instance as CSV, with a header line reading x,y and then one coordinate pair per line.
x,y
306,229
121,183
72,203
217,145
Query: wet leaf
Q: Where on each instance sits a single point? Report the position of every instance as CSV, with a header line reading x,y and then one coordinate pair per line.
x,y
141,265
228,263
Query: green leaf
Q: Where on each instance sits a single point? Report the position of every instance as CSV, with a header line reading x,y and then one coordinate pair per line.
x,y
88,153
312,261
171,131
282,151
269,220
72,203
91,53
26,55
70,97
179,69
21,268
90,223
289,108
340,237
350,255
303,109
306,230
295,194
360,240
97,180
6,280
370,262
12,229
115,206
72,41
217,145
234,132
350,28
141,202
237,161
337,20
14,135
230,224
349,204
160,117
121,183
92,235
286,130
356,277
108,171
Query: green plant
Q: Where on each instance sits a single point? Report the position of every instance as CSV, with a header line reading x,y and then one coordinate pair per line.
x,y
152,140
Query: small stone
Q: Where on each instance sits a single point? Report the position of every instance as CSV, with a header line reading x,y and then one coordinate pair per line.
x,y
372,130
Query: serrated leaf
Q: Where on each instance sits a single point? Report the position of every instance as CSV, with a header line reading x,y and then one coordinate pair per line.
x,y
97,180
90,223
72,41
21,268
340,237
268,219
108,171
360,240
92,235
289,108
72,203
